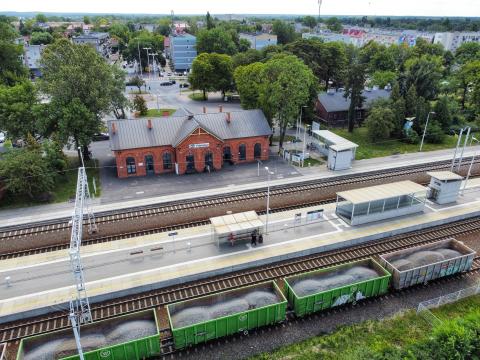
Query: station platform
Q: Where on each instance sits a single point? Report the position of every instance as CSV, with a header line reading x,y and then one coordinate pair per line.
x,y
34,214
43,283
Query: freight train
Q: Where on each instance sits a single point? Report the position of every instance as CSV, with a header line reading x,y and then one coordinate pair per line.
x,y
243,309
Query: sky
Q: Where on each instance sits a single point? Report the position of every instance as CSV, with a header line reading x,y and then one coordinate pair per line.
x,y
329,7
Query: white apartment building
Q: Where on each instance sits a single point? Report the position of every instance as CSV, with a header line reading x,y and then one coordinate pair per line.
x,y
452,40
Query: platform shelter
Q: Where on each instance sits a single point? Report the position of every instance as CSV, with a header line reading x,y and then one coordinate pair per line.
x,y
236,227
380,202
339,151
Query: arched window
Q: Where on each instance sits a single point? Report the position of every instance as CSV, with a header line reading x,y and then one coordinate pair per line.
x,y
242,152
257,151
167,161
131,166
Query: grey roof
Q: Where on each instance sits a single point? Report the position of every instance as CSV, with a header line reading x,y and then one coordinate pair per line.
x,y
336,101
172,130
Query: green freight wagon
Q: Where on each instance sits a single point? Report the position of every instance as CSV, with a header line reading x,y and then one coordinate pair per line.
x,y
334,286
130,337
214,316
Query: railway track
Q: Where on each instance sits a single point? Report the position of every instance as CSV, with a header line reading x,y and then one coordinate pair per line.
x,y
189,204
13,232
157,298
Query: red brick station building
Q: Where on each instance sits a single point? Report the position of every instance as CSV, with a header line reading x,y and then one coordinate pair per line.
x,y
188,143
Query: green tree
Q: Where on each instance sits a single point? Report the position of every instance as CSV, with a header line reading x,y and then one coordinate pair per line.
x,y
423,47
468,78
200,76
209,21
398,109
26,173
467,52
334,24
442,113
354,84
118,102
216,40
138,82
121,33
285,32
41,38
248,57
54,156
425,74
383,78
309,21
164,27
41,18
86,20
248,80
17,109
288,84
212,72
140,105
11,68
411,101
243,45
380,123
139,43
79,83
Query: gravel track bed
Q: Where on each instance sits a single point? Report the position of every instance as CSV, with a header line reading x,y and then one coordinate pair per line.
x,y
266,340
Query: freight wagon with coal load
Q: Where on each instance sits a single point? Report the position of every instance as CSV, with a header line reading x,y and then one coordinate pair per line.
x,y
423,263
130,337
226,313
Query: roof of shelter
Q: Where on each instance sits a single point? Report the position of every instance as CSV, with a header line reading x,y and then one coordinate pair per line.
x,y
339,142
380,192
227,224
172,130
335,101
445,175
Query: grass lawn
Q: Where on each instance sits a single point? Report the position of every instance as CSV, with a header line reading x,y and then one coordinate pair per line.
x,y
158,112
197,96
65,186
367,149
348,341
312,162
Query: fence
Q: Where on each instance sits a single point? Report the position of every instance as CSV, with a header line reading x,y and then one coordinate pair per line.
x,y
424,307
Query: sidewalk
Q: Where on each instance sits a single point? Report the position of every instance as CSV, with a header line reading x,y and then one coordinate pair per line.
x,y
53,211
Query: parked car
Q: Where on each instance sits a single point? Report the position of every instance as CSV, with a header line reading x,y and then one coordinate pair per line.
x,y
101,136
185,85
169,74
173,82
3,137
166,83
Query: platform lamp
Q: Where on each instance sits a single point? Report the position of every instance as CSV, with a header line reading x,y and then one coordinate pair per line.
x,y
268,196
471,165
425,129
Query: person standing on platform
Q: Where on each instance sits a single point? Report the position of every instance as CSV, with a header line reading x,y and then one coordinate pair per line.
x,y
254,238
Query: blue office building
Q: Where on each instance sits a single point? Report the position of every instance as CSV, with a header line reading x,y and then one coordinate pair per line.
x,y
183,51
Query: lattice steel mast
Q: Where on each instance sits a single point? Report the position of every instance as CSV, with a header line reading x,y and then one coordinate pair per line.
x,y
80,307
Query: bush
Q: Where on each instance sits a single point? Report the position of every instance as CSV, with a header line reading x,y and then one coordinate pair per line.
x,y
410,136
139,104
435,134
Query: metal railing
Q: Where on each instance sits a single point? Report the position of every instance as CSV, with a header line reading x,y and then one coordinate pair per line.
x,y
424,307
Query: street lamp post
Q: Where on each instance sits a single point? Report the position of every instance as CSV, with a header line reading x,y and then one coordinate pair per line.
x,y
268,197
425,129
148,60
139,58
304,142
299,124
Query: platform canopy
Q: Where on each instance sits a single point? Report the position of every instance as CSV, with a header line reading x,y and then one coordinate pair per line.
x,y
333,140
235,223
445,175
380,192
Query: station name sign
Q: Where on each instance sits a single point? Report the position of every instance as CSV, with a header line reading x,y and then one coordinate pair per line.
x,y
198,146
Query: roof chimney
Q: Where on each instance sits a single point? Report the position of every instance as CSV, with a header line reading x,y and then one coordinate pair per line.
x,y
220,108
114,130
229,117
149,124
204,109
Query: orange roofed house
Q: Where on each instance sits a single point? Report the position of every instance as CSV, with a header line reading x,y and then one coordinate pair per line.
x,y
188,143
